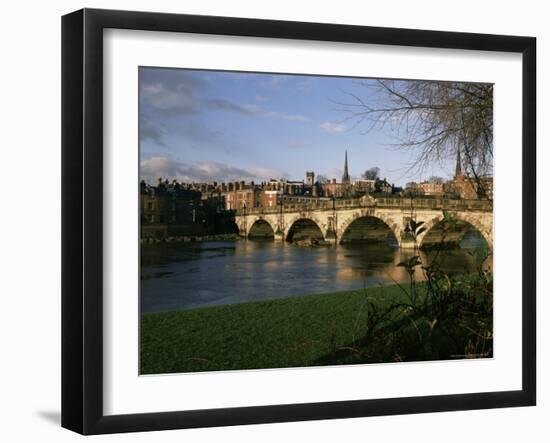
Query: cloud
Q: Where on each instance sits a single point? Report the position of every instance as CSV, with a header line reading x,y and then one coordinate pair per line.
x,y
175,91
170,91
332,128
273,81
289,117
220,104
166,167
149,131
259,111
187,132
184,93
182,99
172,102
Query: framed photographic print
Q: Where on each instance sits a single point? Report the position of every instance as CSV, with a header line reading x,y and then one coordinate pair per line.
x,y
269,221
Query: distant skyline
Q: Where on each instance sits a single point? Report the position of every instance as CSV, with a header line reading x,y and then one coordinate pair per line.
x,y
219,126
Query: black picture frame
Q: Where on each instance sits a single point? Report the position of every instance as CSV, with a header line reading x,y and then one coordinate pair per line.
x,y
82,218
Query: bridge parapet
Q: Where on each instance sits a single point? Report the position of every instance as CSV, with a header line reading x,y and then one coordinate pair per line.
x,y
380,202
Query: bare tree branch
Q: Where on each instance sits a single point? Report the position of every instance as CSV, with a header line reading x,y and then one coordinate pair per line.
x,y
433,118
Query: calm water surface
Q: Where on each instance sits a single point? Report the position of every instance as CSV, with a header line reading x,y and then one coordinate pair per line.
x,y
191,275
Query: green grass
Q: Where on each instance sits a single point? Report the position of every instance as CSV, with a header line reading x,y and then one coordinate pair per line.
x,y
291,332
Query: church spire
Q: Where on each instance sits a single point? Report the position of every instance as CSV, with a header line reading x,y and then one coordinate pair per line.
x,y
345,177
458,170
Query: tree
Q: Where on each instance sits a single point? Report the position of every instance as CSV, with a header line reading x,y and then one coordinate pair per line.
x,y
322,179
439,120
435,179
371,173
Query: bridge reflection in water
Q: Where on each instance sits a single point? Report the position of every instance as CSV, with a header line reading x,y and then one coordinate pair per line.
x,y
189,275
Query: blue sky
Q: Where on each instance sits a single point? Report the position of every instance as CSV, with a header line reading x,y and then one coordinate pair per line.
x,y
219,126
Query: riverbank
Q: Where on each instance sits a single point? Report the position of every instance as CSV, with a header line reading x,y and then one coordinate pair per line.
x,y
226,237
290,332
190,238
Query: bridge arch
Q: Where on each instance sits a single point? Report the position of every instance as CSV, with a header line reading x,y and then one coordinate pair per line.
x,y
369,227
261,228
301,228
465,222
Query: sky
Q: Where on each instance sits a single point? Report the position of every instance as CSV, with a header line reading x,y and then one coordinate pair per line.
x,y
206,126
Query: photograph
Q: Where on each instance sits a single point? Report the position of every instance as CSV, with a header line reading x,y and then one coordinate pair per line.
x,y
291,220
255,222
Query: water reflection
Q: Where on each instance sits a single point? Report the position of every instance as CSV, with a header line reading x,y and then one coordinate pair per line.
x,y
182,276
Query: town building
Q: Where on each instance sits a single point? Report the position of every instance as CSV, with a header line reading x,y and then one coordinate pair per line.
x,y
468,187
430,188
173,208
363,186
461,186
334,189
345,176
383,187
271,199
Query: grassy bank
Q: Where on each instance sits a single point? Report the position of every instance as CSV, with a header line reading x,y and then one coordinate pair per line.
x,y
292,332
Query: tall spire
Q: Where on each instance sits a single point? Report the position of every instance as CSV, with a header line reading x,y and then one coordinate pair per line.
x,y
458,170
345,177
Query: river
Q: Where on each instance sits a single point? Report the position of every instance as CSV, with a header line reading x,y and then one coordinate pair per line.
x,y
190,275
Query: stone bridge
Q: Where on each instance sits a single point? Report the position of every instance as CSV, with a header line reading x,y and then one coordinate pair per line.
x,y
368,219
